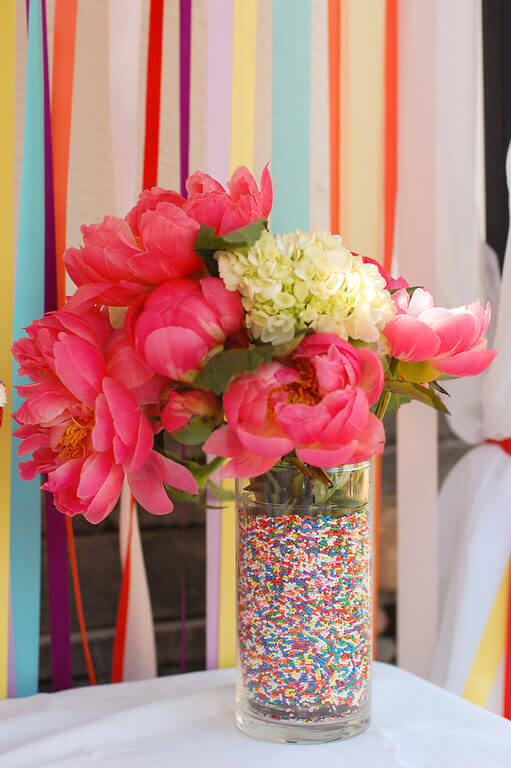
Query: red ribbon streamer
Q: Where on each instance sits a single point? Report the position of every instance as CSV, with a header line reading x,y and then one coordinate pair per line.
x,y
506,446
153,95
122,611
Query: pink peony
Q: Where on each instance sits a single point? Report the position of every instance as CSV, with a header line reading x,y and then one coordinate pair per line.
x,y
176,327
451,340
209,203
116,264
317,405
181,407
392,283
148,201
84,427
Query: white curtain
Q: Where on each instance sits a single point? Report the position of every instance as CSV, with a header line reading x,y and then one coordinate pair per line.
x,y
475,499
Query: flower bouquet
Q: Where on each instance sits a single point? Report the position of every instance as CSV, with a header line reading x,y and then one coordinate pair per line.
x,y
277,355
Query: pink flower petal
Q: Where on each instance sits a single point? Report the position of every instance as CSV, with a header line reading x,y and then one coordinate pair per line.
x,y
247,465
227,304
95,471
302,423
174,351
372,374
175,474
420,301
223,442
410,339
469,363
107,496
80,366
63,475
103,431
263,441
144,444
124,410
318,456
370,441
456,330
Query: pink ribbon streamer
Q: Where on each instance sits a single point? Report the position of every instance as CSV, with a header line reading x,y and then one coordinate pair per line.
x,y
219,137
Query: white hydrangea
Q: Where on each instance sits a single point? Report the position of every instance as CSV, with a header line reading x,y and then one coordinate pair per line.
x,y
306,280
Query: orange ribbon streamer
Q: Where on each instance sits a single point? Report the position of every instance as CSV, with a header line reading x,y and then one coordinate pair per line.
x,y
61,102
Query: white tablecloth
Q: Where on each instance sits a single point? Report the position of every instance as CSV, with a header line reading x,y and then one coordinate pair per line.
x,y
187,721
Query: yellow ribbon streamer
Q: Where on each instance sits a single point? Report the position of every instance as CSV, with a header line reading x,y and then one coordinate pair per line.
x,y
491,648
7,240
244,23
243,97
362,114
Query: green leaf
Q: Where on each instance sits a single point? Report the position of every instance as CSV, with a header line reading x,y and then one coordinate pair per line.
x,y
207,243
201,472
409,290
221,494
419,373
196,431
181,497
436,385
396,401
416,392
218,373
284,350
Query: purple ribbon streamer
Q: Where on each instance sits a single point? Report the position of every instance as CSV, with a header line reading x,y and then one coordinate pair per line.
x,y
56,539
185,35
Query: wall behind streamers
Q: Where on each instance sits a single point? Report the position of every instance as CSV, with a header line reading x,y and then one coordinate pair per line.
x,y
91,196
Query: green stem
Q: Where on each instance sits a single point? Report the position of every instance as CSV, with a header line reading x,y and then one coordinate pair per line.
x,y
213,465
383,402
311,472
304,469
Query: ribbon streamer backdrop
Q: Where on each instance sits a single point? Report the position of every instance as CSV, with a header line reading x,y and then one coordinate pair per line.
x,y
25,543
6,306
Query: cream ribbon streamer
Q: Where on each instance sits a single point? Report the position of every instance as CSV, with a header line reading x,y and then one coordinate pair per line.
x,y
125,17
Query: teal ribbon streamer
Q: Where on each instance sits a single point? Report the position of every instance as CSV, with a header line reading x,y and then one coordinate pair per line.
x,y
25,542
291,107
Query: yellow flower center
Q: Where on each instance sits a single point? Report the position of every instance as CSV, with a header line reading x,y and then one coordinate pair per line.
x,y
306,387
73,444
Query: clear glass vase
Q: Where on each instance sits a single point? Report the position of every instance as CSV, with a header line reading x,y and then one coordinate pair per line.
x,y
304,603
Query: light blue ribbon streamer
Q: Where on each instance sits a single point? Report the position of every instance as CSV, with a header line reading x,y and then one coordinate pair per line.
x,y
291,107
25,543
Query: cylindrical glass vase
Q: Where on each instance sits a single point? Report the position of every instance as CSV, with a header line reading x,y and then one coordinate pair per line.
x,y
304,603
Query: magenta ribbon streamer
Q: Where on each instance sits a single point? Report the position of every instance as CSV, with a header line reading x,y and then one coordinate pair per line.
x,y
185,36
219,138
56,539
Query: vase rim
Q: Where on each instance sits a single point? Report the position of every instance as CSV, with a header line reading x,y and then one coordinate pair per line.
x,y
343,467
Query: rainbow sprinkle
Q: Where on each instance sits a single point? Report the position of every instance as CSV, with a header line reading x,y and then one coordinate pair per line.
x,y
304,613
